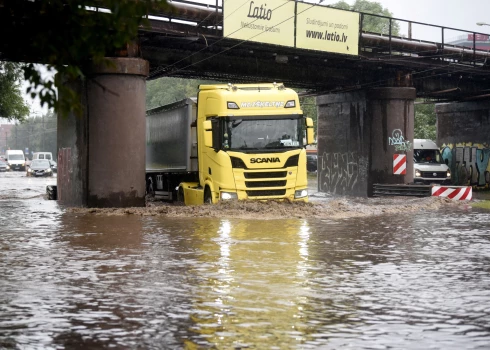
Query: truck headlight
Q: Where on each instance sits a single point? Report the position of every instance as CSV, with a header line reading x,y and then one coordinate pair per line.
x,y
8,168
48,170
300,193
448,173
29,170
418,173
228,195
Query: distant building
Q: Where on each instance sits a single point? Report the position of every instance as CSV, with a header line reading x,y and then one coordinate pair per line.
x,y
482,41
5,131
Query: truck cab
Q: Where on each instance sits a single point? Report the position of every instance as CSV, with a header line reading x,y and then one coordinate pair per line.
x,y
429,167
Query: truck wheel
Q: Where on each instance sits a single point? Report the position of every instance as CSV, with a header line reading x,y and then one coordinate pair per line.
x,y
207,196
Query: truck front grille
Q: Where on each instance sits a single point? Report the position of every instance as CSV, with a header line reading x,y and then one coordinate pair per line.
x,y
255,184
237,163
266,193
265,175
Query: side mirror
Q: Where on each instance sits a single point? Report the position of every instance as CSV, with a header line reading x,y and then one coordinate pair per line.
x,y
208,133
310,132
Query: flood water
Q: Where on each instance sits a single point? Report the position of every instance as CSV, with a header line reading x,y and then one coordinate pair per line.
x,y
79,281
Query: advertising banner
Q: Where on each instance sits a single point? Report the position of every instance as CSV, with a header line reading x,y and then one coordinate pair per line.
x,y
264,21
327,29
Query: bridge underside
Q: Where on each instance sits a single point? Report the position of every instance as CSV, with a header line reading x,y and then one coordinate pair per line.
x,y
187,41
174,50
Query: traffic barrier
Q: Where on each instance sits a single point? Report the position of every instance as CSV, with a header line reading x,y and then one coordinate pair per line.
x,y
399,164
401,190
453,192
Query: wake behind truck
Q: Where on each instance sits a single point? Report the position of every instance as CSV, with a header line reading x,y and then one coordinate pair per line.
x,y
244,141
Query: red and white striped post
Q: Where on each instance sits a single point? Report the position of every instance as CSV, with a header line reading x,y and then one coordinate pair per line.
x,y
399,164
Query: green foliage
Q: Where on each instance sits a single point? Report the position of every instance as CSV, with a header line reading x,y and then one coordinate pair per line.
x,y
485,204
160,92
308,105
69,37
372,23
425,121
38,133
12,105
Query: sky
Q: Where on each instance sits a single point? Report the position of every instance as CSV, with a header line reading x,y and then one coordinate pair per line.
x,y
459,14
448,13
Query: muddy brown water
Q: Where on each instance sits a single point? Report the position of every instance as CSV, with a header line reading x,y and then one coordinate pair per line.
x,y
338,273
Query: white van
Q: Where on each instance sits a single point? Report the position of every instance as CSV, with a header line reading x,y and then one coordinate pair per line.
x,y
16,159
428,165
42,155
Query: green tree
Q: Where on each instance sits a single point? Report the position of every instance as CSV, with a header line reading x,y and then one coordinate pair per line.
x,y
425,121
372,23
69,37
12,104
163,91
36,133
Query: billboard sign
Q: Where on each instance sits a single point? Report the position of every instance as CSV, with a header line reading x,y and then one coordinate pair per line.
x,y
264,21
327,29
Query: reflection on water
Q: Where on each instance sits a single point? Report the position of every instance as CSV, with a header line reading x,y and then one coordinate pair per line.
x,y
79,281
254,285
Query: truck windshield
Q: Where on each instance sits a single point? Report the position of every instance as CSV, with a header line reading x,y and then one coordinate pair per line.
x,y
261,133
427,156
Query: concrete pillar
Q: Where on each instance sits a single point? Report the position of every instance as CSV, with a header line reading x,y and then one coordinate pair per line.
x,y
102,153
463,133
358,135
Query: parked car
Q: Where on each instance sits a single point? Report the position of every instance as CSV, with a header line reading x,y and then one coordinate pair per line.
x,y
4,165
40,167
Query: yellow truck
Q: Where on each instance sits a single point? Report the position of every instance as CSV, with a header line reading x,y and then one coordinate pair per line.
x,y
243,141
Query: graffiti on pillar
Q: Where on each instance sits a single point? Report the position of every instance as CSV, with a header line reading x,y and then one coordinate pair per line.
x,y
469,163
396,139
339,172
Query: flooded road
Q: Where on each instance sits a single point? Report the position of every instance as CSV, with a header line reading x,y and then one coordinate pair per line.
x,y
410,279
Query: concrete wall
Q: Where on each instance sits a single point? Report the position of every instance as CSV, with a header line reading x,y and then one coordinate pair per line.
x,y
463,133
343,144
72,140
358,134
103,163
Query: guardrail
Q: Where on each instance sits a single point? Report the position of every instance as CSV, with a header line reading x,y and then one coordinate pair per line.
x,y
380,190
